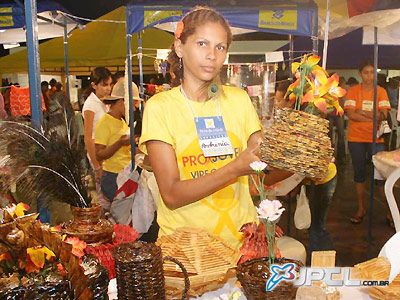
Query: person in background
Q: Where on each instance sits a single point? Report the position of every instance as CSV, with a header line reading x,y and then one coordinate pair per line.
x,y
3,113
198,189
359,108
352,81
44,85
52,84
393,92
93,110
112,144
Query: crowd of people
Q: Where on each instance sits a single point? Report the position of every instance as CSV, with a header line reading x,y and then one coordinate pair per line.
x,y
196,190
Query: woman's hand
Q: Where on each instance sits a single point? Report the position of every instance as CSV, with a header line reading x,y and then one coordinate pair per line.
x,y
97,174
242,163
125,140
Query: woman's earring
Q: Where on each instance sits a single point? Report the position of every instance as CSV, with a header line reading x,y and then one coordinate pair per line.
x,y
180,62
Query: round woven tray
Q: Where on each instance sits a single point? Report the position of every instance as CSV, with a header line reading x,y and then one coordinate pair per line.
x,y
254,274
298,142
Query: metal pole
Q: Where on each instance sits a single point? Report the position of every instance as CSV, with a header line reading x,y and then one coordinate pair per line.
x,y
32,44
291,47
131,126
140,56
315,32
66,58
326,41
371,200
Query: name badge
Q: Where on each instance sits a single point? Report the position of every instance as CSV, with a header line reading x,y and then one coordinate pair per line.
x,y
367,105
214,140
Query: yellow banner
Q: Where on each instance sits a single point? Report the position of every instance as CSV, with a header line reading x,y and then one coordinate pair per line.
x,y
6,21
151,16
278,19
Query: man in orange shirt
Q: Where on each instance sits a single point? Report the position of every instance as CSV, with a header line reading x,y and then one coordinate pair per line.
x,y
359,108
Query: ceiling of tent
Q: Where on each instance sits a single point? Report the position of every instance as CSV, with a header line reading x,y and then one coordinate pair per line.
x,y
99,44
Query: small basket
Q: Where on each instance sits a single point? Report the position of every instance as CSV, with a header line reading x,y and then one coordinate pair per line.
x,y
298,142
254,274
140,274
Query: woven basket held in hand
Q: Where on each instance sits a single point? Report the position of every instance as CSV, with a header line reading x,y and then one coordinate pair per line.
x,y
140,275
254,274
298,142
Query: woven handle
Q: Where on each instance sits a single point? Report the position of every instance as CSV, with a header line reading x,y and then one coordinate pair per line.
x,y
185,275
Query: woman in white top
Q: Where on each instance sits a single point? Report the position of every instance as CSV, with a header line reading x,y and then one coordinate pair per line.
x,y
93,109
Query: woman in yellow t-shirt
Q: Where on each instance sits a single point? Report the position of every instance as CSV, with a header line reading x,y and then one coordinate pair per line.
x,y
112,144
200,184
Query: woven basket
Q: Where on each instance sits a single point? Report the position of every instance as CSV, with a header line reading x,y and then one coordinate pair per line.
x,y
254,274
140,274
298,142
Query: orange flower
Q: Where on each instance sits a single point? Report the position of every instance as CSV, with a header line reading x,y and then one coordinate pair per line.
x,y
5,256
61,269
77,246
18,210
179,29
56,228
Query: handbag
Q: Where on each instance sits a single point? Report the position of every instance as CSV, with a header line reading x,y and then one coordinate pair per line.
x,y
383,128
302,215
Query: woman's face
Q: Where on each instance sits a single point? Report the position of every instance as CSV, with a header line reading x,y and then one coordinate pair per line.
x,y
204,52
103,88
367,75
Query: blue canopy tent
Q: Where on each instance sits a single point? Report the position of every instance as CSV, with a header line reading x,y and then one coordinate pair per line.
x,y
291,18
17,15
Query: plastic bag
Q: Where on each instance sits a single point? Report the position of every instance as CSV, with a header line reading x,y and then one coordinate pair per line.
x,y
302,215
144,206
121,207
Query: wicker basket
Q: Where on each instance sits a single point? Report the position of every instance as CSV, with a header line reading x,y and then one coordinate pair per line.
x,y
298,142
139,269
254,274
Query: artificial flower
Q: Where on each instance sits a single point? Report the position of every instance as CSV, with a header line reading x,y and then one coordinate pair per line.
x,y
5,256
38,255
270,210
258,166
55,228
179,29
61,269
18,210
77,246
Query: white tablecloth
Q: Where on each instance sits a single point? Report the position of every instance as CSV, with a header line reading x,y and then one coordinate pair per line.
x,y
353,293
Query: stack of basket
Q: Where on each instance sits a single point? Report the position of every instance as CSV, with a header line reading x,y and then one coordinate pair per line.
x,y
298,142
379,269
206,257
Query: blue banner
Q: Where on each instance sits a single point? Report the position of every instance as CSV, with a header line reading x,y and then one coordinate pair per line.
x,y
280,19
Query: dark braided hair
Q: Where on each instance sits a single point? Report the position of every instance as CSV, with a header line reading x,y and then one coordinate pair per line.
x,y
193,19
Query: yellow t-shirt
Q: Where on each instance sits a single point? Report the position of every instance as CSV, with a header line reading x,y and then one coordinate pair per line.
x,y
330,173
167,118
108,131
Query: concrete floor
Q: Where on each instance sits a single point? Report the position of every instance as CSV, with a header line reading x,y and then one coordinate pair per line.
x,y
351,241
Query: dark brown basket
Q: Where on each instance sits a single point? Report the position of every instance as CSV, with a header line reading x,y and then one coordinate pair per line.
x,y
254,274
139,270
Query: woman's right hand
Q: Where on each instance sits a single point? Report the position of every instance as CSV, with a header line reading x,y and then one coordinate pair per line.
x,y
243,161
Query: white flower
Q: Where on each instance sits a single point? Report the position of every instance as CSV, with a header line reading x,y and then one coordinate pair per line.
x,y
258,166
270,210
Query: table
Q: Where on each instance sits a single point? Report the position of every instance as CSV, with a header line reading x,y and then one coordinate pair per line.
x,y
353,293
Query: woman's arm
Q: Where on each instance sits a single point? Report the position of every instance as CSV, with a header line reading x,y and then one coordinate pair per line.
x,y
359,115
177,193
88,117
105,152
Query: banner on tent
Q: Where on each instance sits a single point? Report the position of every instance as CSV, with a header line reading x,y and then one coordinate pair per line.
x,y
296,20
6,21
278,19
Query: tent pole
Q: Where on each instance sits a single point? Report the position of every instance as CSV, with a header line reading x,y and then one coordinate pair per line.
x,y
326,41
314,36
371,200
140,56
131,127
291,47
66,58
32,44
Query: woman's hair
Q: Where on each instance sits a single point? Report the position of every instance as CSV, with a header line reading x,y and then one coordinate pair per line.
x,y
192,20
364,64
99,74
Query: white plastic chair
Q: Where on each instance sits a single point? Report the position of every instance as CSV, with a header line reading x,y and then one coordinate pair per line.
x,y
394,210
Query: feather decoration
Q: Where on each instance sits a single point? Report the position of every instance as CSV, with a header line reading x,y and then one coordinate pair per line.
x,y
45,166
